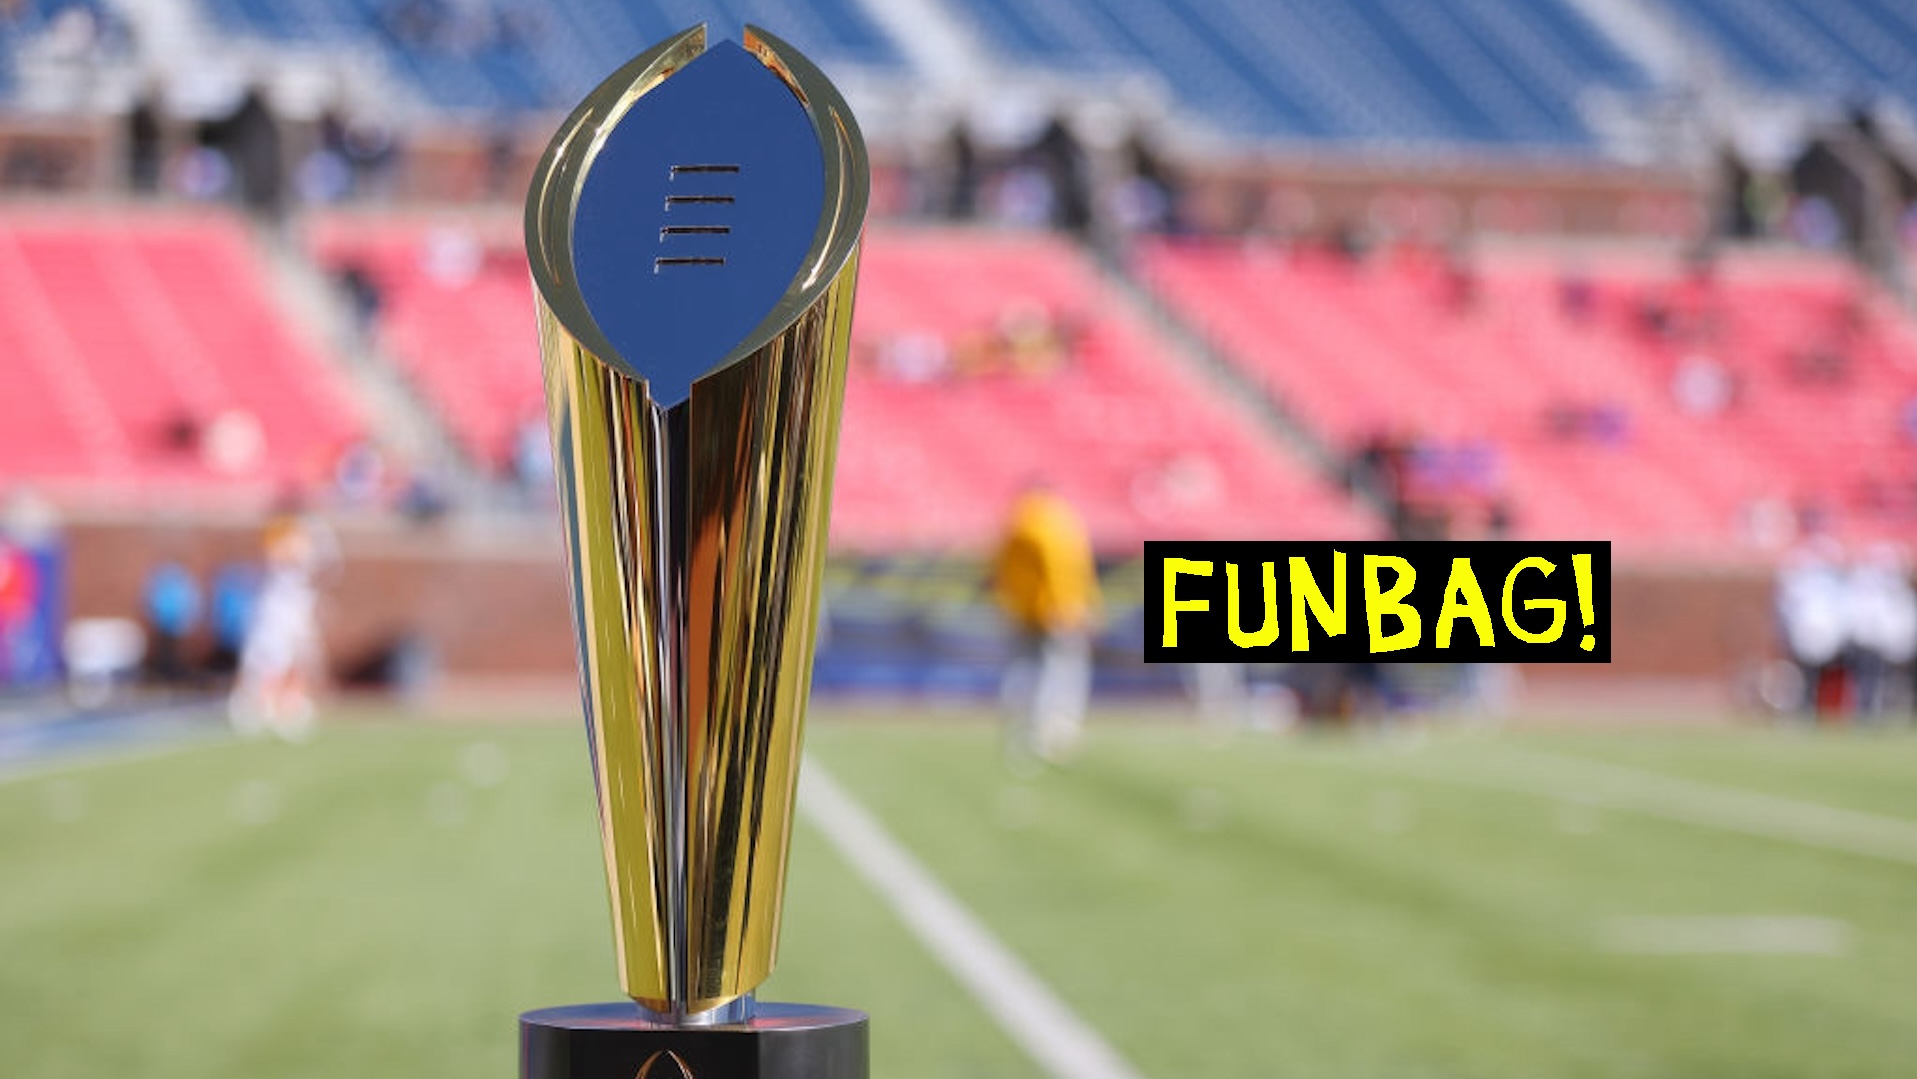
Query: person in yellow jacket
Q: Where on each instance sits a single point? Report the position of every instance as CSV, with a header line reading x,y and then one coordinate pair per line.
x,y
1047,584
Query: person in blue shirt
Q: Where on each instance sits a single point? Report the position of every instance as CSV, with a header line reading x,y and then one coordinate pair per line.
x,y
172,613
235,588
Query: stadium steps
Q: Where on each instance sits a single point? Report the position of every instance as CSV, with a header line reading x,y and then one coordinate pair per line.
x,y
1375,347
401,417
456,319
399,414
1190,345
127,324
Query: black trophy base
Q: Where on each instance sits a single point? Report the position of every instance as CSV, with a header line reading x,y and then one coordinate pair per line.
x,y
612,1041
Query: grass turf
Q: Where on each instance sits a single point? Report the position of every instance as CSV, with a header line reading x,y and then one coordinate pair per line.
x,y
383,901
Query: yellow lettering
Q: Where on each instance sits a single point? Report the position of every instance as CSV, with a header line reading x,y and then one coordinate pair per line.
x,y
1555,606
1269,632
1304,590
1174,605
1464,583
1379,603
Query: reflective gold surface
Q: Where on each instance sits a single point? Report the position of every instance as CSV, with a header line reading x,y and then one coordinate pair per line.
x,y
695,539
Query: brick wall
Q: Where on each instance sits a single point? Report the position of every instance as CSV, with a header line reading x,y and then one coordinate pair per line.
x,y
495,604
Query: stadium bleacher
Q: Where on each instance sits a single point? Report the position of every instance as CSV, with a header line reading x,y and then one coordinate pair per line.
x,y
1586,430
927,461
1497,72
1845,50
146,347
456,313
1143,446
518,56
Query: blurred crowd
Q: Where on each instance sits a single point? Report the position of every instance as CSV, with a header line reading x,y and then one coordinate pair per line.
x,y
1025,339
1848,623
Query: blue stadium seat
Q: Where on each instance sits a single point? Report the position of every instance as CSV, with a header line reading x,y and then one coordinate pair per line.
x,y
1849,49
1387,71
543,55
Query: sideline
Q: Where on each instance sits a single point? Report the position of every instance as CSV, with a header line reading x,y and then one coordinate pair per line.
x,y
1062,1043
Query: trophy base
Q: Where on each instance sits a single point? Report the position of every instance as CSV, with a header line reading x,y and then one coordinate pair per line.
x,y
613,1041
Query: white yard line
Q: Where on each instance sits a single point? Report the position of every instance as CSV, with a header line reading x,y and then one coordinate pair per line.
x,y
1053,1035
1725,934
1709,805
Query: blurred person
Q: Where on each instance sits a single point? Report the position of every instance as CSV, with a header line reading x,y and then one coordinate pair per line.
x,y
1813,222
452,256
360,475
1148,199
281,660
19,594
1812,613
1498,519
323,177
1046,582
532,457
145,146
364,300
1024,197
915,356
370,149
202,174
1379,464
1654,316
965,176
1577,295
1059,156
235,587
423,498
1220,693
180,432
1033,340
172,602
1702,386
1880,610
250,138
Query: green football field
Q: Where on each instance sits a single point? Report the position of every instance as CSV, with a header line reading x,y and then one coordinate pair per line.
x,y
1536,905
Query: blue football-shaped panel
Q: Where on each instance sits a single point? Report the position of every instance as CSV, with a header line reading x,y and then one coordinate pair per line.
x,y
696,216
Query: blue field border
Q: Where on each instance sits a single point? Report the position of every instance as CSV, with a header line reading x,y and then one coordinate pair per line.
x,y
48,734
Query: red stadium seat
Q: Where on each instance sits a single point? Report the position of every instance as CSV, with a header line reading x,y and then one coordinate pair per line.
x,y
1145,447
1358,348
122,326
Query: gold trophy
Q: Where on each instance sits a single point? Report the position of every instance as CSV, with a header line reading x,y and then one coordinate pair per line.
x,y
693,230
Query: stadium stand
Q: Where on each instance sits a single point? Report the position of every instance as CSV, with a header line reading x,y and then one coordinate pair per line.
x,y
144,347
1666,408
1499,72
942,422
519,56
455,310
1835,49
1146,448
1496,72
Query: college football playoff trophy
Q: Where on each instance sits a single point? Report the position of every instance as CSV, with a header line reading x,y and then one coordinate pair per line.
x,y
694,230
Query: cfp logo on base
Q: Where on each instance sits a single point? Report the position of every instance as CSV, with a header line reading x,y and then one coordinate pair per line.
x,y
664,1064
